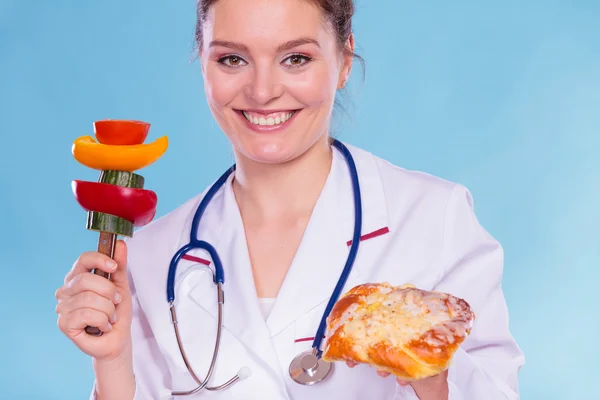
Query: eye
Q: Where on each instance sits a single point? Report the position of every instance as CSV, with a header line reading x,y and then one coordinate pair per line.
x,y
296,60
232,61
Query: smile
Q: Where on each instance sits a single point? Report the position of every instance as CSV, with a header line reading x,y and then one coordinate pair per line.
x,y
271,119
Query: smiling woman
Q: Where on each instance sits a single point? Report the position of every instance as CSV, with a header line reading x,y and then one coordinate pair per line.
x,y
300,220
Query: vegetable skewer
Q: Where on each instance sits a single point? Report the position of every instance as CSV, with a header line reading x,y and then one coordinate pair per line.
x,y
118,202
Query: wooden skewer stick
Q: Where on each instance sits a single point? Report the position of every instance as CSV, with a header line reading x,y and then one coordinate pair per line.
x,y
106,245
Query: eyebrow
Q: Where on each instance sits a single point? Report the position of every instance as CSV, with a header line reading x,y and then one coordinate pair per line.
x,y
282,47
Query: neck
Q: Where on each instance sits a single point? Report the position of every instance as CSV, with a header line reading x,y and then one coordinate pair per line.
x,y
273,191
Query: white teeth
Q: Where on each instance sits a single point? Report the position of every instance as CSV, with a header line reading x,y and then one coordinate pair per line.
x,y
275,119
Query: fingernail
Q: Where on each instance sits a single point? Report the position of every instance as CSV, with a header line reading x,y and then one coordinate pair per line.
x,y
118,297
111,264
114,318
109,327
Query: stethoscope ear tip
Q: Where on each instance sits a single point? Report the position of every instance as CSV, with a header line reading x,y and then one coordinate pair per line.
x,y
244,373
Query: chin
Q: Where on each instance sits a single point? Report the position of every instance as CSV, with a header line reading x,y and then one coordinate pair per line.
x,y
267,151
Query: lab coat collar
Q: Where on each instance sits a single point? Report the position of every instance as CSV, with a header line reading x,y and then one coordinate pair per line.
x,y
315,269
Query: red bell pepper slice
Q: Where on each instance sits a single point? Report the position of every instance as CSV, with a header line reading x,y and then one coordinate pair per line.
x,y
137,206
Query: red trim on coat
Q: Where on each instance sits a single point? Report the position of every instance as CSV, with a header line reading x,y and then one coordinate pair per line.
x,y
371,235
196,259
306,339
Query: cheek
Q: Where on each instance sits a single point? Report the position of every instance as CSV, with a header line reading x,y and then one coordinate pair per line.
x,y
221,88
315,88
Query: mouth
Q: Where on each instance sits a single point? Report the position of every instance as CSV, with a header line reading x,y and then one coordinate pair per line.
x,y
268,121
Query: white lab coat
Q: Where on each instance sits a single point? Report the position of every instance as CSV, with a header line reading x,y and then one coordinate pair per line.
x,y
425,233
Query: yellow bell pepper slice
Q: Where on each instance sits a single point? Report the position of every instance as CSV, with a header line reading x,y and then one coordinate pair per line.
x,y
114,157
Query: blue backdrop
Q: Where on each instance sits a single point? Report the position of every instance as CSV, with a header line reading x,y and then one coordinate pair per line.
x,y
503,98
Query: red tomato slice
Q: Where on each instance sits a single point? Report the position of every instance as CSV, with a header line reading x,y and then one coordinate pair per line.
x,y
121,132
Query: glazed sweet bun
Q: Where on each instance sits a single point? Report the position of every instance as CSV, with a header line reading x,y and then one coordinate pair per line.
x,y
408,332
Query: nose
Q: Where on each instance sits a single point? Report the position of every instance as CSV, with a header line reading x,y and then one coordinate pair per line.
x,y
264,85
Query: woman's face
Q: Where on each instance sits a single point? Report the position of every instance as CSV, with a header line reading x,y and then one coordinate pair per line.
x,y
271,70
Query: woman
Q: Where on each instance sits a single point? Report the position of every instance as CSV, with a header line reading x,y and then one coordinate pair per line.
x,y
281,223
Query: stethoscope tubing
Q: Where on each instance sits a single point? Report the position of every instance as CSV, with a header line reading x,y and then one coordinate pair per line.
x,y
199,244
353,247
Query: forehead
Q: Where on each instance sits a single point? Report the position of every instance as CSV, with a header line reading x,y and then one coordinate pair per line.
x,y
265,21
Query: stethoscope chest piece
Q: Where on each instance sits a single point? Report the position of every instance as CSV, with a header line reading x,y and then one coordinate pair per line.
x,y
308,369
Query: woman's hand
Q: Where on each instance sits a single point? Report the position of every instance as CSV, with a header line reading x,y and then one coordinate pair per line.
x,y
89,299
433,388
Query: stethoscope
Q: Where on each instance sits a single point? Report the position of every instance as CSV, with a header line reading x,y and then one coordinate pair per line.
x,y
307,368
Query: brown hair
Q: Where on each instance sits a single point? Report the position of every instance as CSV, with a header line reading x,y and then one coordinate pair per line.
x,y
337,12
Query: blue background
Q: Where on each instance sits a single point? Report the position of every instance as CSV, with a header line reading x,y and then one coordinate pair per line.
x,y
503,98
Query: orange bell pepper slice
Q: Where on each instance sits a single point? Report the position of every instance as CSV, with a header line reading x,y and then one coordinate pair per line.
x,y
121,158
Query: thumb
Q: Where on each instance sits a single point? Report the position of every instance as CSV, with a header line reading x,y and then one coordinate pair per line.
x,y
119,277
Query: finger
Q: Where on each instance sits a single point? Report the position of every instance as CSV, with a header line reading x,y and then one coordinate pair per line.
x,y
383,374
401,382
119,276
91,283
89,261
88,300
74,323
351,364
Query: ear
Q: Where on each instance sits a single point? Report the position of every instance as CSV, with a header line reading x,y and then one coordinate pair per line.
x,y
347,59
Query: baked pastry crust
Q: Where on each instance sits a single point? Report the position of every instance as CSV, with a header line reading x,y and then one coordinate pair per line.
x,y
408,332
